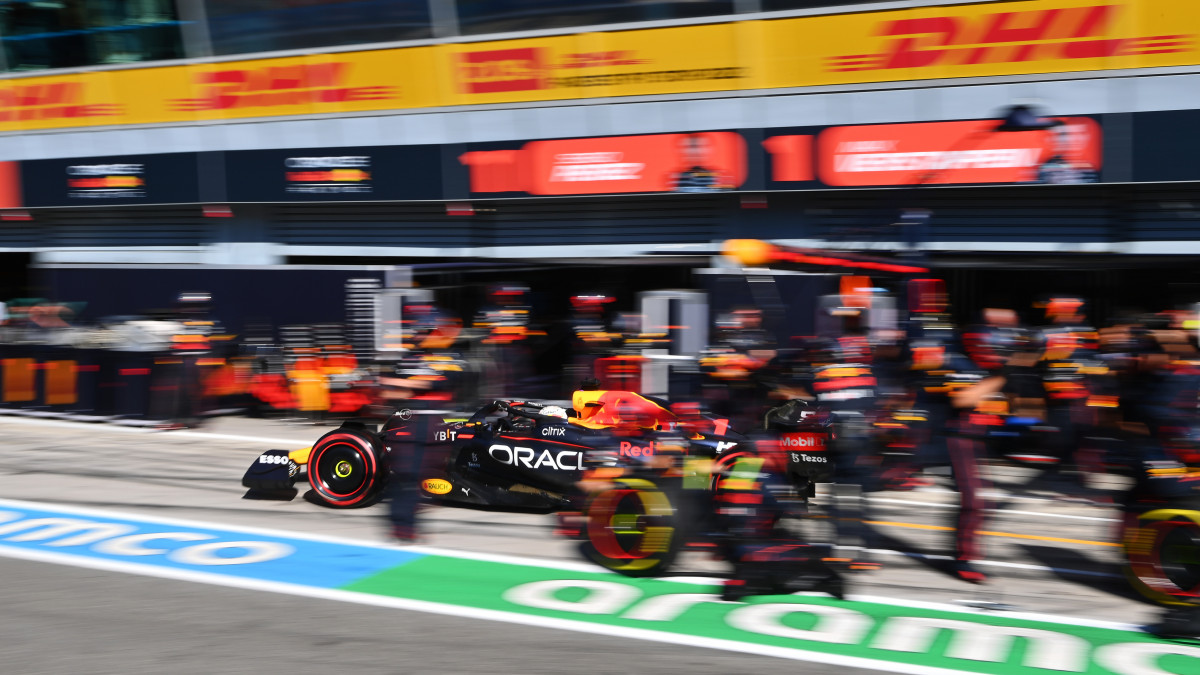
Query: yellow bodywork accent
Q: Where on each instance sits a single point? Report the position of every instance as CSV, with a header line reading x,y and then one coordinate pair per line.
x,y
846,372
300,456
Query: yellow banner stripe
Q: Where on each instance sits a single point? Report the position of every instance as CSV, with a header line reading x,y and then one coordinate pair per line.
x,y
976,40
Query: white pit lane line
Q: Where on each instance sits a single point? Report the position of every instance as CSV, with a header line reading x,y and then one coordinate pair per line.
x,y
146,431
1036,514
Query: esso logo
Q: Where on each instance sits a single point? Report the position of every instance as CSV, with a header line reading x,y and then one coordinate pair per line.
x,y
562,460
812,441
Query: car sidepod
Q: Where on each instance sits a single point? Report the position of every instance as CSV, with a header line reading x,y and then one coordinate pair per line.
x,y
535,467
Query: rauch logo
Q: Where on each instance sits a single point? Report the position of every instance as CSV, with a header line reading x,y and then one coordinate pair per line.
x,y
1005,37
275,86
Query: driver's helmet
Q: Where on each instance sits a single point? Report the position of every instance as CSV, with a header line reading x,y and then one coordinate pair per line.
x,y
554,411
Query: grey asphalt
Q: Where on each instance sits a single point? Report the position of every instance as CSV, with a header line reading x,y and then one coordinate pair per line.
x,y
65,620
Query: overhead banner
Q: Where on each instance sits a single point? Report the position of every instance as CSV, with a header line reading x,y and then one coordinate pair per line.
x,y
973,40
171,178
377,173
700,162
968,152
931,153
1158,147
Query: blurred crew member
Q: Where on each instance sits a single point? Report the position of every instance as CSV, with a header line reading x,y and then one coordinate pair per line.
x,y
949,387
433,371
407,434
990,343
731,368
844,386
591,336
1069,345
766,560
506,356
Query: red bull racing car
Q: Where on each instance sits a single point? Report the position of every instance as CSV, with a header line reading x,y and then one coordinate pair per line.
x,y
508,454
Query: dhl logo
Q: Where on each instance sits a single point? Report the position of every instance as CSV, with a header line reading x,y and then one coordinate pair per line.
x,y
107,182
59,100
276,86
502,70
333,175
1006,37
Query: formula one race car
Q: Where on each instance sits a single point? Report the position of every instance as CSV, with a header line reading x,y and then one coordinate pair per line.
x,y
508,454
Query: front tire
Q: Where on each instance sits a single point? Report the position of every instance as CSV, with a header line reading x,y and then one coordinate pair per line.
x,y
347,468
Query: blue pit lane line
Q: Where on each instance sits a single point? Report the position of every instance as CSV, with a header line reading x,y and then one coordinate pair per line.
x,y
178,545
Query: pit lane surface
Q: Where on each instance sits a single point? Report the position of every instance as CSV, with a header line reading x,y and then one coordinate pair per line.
x,y
68,620
1046,555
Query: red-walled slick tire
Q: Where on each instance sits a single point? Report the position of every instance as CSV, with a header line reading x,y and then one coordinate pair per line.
x,y
347,468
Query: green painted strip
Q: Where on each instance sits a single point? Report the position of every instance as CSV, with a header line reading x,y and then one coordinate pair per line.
x,y
925,640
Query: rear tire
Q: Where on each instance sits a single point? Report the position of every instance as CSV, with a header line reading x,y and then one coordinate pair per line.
x,y
633,529
347,468
1163,555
